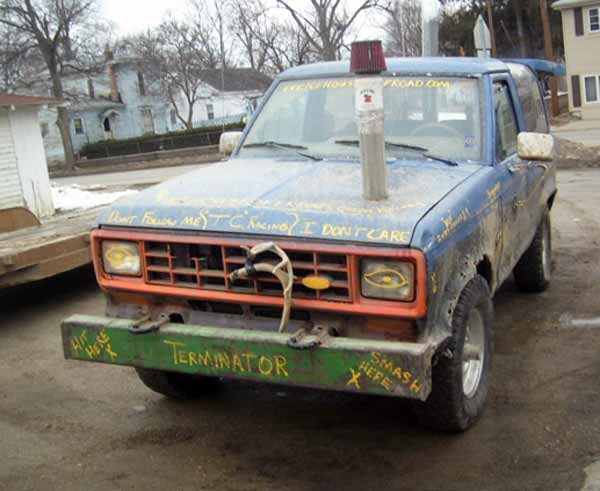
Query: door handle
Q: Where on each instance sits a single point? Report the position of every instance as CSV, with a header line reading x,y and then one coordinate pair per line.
x,y
514,168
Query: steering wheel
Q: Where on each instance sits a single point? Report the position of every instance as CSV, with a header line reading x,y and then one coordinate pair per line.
x,y
450,131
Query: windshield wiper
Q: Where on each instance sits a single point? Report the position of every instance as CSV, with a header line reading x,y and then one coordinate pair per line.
x,y
423,150
387,143
443,160
271,143
274,144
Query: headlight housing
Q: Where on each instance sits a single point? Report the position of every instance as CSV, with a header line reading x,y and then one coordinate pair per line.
x,y
121,257
386,279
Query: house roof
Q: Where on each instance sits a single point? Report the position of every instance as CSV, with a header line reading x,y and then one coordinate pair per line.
x,y
569,4
9,100
236,79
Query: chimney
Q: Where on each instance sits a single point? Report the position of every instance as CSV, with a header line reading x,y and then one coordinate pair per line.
x,y
114,87
112,74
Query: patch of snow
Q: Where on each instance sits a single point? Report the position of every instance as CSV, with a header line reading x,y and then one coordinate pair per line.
x,y
74,197
592,482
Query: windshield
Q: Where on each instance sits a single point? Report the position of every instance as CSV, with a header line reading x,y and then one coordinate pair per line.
x,y
441,116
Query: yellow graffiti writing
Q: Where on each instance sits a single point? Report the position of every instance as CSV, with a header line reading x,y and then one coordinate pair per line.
x,y
164,197
434,285
401,375
401,83
275,365
388,279
118,255
118,219
492,193
393,83
150,218
384,372
450,224
318,85
93,350
354,378
374,234
78,342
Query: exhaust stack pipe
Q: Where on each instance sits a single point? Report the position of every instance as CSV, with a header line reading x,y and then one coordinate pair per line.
x,y
367,58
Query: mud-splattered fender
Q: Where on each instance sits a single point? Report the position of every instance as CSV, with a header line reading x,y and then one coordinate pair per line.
x,y
460,237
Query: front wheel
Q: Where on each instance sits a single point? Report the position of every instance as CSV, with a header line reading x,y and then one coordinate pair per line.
x,y
534,270
176,385
460,378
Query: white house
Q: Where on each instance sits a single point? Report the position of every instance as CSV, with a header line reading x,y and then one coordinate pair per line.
x,y
227,95
24,181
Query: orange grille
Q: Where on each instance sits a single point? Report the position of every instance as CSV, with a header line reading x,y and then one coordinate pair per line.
x,y
207,267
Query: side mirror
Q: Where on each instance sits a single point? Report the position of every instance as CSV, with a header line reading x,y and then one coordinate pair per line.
x,y
536,146
229,140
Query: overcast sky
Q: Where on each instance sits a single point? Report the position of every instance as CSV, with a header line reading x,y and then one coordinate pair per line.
x,y
133,16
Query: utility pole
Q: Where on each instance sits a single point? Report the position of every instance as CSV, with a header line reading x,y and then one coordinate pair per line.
x,y
549,55
490,15
430,28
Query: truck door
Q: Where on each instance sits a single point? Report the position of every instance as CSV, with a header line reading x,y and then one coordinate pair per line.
x,y
512,177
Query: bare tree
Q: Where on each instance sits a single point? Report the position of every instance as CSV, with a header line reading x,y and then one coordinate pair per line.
x,y
16,53
402,26
173,60
255,31
210,23
325,23
288,48
47,25
269,44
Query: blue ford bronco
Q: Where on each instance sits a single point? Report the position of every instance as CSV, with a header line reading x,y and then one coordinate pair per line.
x,y
339,247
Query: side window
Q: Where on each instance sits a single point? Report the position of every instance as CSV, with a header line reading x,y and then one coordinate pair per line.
x,y
506,123
530,95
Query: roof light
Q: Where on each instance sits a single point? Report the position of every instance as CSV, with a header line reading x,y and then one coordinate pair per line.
x,y
367,57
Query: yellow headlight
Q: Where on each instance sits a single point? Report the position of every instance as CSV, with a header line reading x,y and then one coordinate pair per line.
x,y
121,258
387,279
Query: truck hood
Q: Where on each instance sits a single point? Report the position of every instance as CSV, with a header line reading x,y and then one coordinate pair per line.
x,y
312,200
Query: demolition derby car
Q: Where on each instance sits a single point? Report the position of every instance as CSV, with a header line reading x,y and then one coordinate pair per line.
x,y
353,241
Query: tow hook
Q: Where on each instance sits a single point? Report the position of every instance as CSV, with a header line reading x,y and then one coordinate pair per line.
x,y
144,325
303,340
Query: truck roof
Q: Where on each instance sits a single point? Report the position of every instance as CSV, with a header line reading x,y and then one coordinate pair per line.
x,y
412,66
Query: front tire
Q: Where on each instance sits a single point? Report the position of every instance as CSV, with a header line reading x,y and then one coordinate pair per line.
x,y
461,376
176,385
534,270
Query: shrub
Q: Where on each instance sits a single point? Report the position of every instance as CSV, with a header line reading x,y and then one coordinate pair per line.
x,y
195,137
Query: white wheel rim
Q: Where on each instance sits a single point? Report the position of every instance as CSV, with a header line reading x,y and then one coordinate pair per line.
x,y
473,353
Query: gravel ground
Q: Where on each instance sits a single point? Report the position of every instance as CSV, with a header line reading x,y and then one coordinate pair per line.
x,y
73,425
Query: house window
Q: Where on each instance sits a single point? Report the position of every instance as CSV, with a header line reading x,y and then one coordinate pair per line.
x,y
141,83
78,125
210,111
173,117
44,129
594,15
147,121
91,90
591,85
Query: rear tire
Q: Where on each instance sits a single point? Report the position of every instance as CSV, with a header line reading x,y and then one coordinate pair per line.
x,y
534,270
176,385
460,381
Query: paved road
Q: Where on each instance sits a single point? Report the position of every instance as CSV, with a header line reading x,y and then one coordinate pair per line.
x,y
71,425
586,132
128,179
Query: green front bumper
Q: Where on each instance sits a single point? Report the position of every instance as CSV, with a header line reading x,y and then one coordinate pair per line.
x,y
353,365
